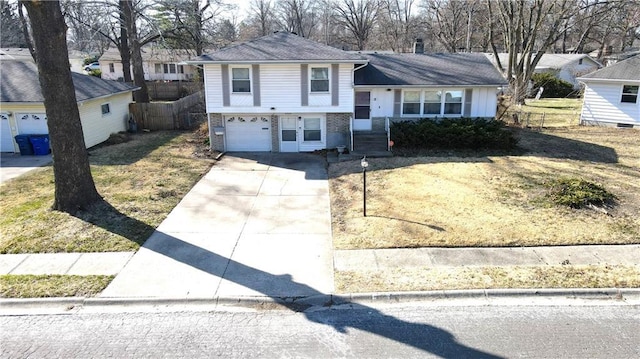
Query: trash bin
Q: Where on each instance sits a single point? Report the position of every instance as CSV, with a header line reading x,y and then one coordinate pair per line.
x,y
26,149
40,144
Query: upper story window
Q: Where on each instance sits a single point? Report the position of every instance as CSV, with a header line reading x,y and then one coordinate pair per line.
x,y
319,79
105,109
432,102
112,68
629,94
240,79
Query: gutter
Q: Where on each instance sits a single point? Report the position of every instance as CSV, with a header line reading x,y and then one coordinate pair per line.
x,y
258,62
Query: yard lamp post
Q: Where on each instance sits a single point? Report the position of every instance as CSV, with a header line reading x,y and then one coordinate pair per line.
x,y
364,165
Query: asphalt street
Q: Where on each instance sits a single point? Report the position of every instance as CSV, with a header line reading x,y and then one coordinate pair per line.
x,y
410,330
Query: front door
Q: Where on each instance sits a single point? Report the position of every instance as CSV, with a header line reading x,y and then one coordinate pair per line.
x,y
362,111
288,134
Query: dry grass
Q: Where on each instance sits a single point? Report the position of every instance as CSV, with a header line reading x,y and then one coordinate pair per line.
x,y
449,278
557,112
141,181
491,200
43,286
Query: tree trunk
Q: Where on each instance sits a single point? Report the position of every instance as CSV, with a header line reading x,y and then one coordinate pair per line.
x,y
142,95
125,52
74,186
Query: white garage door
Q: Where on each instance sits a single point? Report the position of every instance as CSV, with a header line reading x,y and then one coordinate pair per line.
x,y
32,123
6,139
248,133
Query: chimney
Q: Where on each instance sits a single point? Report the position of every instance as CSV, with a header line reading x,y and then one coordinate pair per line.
x,y
418,46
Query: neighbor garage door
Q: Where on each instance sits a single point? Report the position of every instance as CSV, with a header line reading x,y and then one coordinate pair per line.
x,y
248,133
32,123
6,139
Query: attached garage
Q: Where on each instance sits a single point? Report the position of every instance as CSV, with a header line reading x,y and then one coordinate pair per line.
x,y
247,133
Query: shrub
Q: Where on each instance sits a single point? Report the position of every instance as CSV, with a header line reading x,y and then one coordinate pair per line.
x,y
96,73
553,86
88,60
459,133
578,193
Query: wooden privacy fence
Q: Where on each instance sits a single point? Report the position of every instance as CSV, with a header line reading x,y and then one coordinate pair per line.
x,y
165,115
172,90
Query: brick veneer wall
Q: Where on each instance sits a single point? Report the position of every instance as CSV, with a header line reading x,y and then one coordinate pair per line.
x,y
338,129
275,139
217,141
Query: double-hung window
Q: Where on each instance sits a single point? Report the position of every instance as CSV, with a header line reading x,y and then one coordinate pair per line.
x,y
432,102
312,130
411,103
105,108
629,94
453,102
319,79
240,80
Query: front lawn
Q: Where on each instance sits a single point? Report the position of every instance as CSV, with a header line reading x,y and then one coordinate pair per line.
x,y
141,181
497,201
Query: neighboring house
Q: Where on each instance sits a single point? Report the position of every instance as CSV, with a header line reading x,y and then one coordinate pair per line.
x,y
76,58
285,93
567,67
158,65
103,105
611,95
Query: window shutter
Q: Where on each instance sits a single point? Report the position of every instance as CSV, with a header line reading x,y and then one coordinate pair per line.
x,y
304,85
397,102
468,93
335,85
255,69
226,99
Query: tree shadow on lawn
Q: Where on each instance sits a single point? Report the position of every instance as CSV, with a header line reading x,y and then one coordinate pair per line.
x,y
424,337
107,217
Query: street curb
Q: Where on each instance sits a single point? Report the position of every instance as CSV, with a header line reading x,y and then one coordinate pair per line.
x,y
300,304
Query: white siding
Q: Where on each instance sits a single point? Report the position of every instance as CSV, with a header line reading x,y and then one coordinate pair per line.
x,y
96,126
484,102
213,87
280,88
602,104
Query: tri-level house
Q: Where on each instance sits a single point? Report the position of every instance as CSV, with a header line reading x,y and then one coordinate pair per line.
x,y
285,93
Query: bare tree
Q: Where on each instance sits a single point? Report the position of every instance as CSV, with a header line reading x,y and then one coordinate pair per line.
x,y
262,16
398,25
528,29
359,18
11,34
74,185
298,16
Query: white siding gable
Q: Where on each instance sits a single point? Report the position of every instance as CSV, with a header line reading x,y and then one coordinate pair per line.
x,y
96,126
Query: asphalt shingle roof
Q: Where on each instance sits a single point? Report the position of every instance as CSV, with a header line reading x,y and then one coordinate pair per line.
x,y
628,69
279,47
19,82
550,61
457,69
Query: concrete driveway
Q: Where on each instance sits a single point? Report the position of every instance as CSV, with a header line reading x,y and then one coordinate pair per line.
x,y
13,165
258,224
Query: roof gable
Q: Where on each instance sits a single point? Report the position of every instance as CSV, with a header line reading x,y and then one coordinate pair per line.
x,y
19,82
279,47
455,69
628,69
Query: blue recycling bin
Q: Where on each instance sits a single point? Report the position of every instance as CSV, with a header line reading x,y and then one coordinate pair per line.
x,y
40,144
26,149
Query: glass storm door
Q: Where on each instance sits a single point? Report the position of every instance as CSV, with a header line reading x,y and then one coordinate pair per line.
x,y
288,134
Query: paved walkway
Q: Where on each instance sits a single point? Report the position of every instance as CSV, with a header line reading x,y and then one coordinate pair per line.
x,y
13,165
259,225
